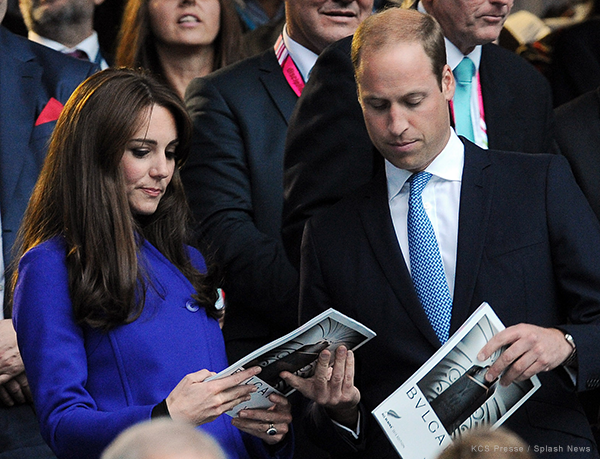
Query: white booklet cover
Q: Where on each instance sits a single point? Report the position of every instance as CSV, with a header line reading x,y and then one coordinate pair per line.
x,y
449,395
297,353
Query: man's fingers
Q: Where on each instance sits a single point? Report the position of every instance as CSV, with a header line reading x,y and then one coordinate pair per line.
x,y
5,398
15,392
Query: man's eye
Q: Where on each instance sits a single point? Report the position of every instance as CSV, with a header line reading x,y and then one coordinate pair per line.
x,y
413,102
378,105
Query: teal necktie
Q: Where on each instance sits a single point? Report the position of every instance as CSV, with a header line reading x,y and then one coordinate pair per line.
x,y
463,74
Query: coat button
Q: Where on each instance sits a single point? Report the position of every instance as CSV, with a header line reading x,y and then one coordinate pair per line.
x,y
192,306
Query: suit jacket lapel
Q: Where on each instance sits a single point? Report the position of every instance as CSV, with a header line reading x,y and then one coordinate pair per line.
x,y
497,100
377,223
473,221
276,85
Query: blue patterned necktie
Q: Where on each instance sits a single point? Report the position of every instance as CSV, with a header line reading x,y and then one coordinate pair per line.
x,y
463,74
426,267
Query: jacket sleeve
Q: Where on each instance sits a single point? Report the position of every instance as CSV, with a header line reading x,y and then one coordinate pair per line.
x,y
52,348
575,236
328,152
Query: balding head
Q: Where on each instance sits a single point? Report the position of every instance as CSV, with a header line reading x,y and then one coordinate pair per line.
x,y
163,439
396,26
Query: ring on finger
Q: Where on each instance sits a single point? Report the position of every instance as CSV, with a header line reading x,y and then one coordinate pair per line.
x,y
271,430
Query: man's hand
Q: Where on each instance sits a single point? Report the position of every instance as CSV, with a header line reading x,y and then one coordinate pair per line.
x,y
530,350
16,391
11,364
331,387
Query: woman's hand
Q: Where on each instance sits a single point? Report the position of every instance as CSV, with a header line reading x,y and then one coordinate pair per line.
x,y
199,401
270,425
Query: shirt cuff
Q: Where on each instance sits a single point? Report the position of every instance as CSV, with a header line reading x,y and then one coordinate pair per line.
x,y
355,433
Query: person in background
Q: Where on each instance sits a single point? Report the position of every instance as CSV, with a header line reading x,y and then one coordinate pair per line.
x,y
35,82
256,13
485,443
233,178
66,26
575,59
115,318
163,439
179,40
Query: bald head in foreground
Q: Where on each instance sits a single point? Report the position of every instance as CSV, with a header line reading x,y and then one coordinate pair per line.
x,y
163,439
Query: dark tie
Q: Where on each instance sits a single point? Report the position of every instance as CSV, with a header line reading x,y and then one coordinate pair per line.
x,y
426,267
78,54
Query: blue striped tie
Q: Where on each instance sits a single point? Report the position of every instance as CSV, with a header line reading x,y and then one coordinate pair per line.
x,y
426,267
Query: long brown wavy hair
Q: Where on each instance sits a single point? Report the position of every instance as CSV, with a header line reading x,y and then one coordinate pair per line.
x,y
80,195
136,45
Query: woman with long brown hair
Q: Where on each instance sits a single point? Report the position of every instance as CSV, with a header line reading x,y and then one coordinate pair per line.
x,y
114,313
179,39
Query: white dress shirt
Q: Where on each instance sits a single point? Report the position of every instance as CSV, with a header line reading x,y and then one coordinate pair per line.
x,y
303,57
90,45
441,200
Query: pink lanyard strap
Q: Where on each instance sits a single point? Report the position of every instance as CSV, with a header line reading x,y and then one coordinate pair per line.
x,y
290,71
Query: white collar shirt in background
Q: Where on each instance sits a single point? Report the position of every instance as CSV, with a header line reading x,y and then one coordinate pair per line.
x,y
303,57
90,45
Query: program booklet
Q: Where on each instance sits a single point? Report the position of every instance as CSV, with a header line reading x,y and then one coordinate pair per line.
x,y
296,352
449,395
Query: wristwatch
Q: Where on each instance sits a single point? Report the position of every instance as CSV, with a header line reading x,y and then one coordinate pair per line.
x,y
571,359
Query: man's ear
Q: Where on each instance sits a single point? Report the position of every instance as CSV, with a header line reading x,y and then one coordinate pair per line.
x,y
448,82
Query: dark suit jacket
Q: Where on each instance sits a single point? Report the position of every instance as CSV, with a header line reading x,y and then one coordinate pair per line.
x,y
30,75
328,152
575,65
528,244
234,183
577,136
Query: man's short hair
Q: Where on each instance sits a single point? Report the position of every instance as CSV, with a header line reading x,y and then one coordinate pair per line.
x,y
163,438
398,25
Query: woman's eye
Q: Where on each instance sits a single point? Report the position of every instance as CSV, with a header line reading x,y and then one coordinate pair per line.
x,y
140,152
170,154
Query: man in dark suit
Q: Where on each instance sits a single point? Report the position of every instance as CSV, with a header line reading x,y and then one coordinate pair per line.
x,y
34,84
577,137
233,177
66,26
511,229
323,164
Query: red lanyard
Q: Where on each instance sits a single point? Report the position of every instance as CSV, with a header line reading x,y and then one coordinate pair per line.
x,y
290,71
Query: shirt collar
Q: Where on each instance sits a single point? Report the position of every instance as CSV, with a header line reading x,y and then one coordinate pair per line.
x,y
448,165
90,45
303,57
454,55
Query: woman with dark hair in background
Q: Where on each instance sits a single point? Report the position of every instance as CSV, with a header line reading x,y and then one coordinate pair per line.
x,y
179,39
114,315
